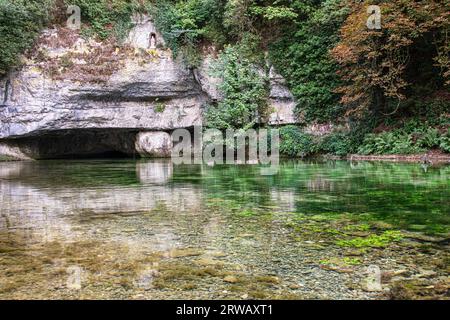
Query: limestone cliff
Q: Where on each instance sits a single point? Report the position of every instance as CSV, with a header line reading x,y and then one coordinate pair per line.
x,y
76,96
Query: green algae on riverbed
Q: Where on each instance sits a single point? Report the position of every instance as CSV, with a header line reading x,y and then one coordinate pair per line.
x,y
152,230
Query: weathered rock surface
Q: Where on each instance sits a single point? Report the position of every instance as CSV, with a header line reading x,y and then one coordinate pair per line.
x,y
207,81
151,93
281,100
153,144
34,104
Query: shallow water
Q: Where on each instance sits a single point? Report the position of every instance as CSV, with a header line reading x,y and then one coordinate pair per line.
x,y
150,229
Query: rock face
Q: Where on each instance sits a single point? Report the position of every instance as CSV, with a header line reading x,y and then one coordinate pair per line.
x,y
281,100
34,104
43,117
153,144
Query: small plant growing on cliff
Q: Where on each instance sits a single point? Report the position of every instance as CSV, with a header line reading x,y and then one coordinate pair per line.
x,y
66,62
159,107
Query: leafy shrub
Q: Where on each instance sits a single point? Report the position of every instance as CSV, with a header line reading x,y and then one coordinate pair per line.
x,y
244,89
338,143
403,144
392,142
412,126
20,23
301,55
295,143
429,138
107,18
376,144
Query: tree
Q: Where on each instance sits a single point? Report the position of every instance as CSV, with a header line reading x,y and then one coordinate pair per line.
x,y
381,68
245,92
302,56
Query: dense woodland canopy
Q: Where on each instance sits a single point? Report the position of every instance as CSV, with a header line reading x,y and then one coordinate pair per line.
x,y
386,90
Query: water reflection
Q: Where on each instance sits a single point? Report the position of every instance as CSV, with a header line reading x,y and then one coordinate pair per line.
x,y
153,206
47,194
154,172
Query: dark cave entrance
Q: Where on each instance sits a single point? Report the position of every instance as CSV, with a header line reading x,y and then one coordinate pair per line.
x,y
111,154
80,144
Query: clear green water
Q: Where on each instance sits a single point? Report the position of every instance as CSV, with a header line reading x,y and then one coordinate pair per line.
x,y
149,229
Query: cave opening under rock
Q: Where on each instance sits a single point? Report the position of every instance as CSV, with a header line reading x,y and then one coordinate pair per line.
x,y
79,144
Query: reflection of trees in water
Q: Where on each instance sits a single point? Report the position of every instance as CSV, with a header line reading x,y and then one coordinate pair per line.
x,y
154,172
397,193
394,192
47,194
320,184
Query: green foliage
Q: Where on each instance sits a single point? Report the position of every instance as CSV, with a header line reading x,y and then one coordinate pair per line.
x,y
272,12
372,241
429,138
244,89
444,142
184,24
414,137
337,143
302,57
388,143
295,143
20,23
160,107
435,111
106,18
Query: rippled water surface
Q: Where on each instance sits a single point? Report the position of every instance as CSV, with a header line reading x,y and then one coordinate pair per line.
x,y
148,229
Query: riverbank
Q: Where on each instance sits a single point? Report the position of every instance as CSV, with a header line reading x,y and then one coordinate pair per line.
x,y
428,158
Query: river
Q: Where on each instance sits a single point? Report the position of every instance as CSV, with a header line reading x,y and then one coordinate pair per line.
x,y
149,229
